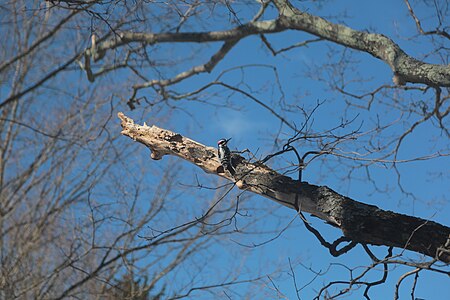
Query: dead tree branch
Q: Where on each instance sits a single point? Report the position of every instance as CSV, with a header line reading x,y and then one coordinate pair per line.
x,y
359,222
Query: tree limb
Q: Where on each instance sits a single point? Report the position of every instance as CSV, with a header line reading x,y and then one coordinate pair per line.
x,y
359,222
404,67
238,33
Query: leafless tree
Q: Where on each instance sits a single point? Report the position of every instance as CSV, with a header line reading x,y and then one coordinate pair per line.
x,y
84,215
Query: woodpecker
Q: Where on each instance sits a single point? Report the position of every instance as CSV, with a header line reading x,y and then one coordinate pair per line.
x,y
225,155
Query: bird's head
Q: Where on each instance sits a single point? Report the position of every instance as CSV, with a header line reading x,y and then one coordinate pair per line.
x,y
223,142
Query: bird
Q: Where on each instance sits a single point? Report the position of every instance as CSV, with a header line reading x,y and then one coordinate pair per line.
x,y
225,155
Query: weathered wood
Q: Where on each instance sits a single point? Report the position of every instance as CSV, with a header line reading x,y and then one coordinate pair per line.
x,y
359,222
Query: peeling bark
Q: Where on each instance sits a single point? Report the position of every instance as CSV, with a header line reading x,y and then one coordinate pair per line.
x,y
359,222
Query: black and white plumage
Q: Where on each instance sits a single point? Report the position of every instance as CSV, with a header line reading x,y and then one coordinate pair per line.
x,y
225,155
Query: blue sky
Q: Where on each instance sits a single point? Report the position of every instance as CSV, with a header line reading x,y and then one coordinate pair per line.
x,y
286,83
253,127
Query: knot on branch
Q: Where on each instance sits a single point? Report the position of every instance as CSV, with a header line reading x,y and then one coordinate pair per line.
x,y
155,155
241,184
398,79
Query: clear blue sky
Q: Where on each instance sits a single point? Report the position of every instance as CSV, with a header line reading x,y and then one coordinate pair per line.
x,y
253,127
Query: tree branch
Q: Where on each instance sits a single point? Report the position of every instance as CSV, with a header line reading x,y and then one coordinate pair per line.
x,y
404,67
206,67
359,222
237,33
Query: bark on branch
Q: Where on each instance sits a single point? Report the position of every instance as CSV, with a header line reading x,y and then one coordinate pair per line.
x,y
362,223
404,67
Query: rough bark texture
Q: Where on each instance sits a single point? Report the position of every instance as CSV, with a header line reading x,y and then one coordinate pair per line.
x,y
404,67
358,221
